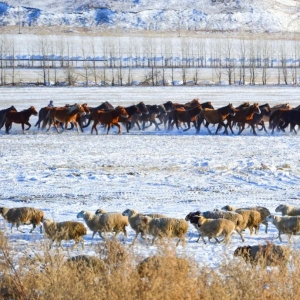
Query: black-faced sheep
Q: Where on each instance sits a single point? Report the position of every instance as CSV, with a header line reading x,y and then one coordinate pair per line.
x,y
288,210
264,255
285,225
236,218
264,212
105,222
215,228
135,222
59,231
23,215
165,228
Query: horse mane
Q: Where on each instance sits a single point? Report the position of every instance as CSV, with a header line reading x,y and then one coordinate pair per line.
x,y
71,109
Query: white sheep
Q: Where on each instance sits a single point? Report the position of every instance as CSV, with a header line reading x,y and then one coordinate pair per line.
x,y
105,222
288,210
215,228
264,255
236,218
285,225
83,263
59,231
165,228
22,215
134,219
264,212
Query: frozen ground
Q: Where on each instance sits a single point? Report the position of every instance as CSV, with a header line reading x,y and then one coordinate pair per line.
x,y
167,172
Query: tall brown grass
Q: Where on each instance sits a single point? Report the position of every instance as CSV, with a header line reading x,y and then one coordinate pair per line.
x,y
121,274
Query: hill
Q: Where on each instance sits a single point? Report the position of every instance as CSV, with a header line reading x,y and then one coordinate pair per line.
x,y
171,15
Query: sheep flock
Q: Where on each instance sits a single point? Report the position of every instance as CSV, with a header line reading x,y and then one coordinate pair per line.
x,y
214,224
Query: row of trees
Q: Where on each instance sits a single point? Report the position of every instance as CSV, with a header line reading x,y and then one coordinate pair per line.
x,y
162,60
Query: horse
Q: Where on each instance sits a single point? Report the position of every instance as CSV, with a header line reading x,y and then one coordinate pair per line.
x,y
80,116
42,115
276,107
109,118
131,111
153,111
162,113
215,116
258,118
186,106
63,114
243,116
3,113
103,106
278,119
21,117
188,116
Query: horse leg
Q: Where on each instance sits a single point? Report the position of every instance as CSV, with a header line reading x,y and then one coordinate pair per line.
x,y
253,128
7,127
243,127
108,128
189,126
206,125
23,127
119,127
28,124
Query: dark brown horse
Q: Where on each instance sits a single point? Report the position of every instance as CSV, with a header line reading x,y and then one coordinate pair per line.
x,y
21,117
132,110
243,116
153,111
216,116
42,115
63,114
109,118
283,118
187,116
3,113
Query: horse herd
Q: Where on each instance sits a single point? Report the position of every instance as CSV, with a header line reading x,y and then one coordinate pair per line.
x,y
168,114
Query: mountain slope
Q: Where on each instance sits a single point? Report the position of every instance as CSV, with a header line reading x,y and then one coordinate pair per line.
x,y
210,15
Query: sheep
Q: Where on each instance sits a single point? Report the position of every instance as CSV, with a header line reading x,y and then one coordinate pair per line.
x,y
285,225
264,213
264,255
165,227
135,222
288,210
59,231
236,218
214,228
107,222
23,215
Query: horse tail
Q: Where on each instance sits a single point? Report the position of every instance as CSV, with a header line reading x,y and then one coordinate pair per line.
x,y
46,120
2,120
89,122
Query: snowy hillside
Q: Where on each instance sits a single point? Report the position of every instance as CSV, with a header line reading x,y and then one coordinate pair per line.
x,y
210,15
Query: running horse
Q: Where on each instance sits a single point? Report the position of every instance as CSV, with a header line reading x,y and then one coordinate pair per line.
x,y
216,116
243,116
63,114
109,118
19,117
3,113
187,116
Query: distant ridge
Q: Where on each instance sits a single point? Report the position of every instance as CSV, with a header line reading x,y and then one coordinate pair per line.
x,y
174,15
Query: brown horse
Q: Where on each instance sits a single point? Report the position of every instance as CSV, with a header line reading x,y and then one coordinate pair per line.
x,y
63,114
188,116
216,116
3,113
108,118
21,117
243,116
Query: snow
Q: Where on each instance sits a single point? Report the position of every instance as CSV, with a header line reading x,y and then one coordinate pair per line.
x,y
172,173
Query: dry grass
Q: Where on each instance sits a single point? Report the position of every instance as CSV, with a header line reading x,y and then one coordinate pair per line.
x,y
122,276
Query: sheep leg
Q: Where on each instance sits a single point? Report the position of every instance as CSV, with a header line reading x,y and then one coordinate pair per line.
x,y
125,234
134,239
94,232
266,224
154,238
82,243
33,227
100,234
203,239
17,228
240,233
199,238
41,228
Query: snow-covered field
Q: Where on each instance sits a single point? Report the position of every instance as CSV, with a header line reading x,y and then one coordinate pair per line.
x,y
167,172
